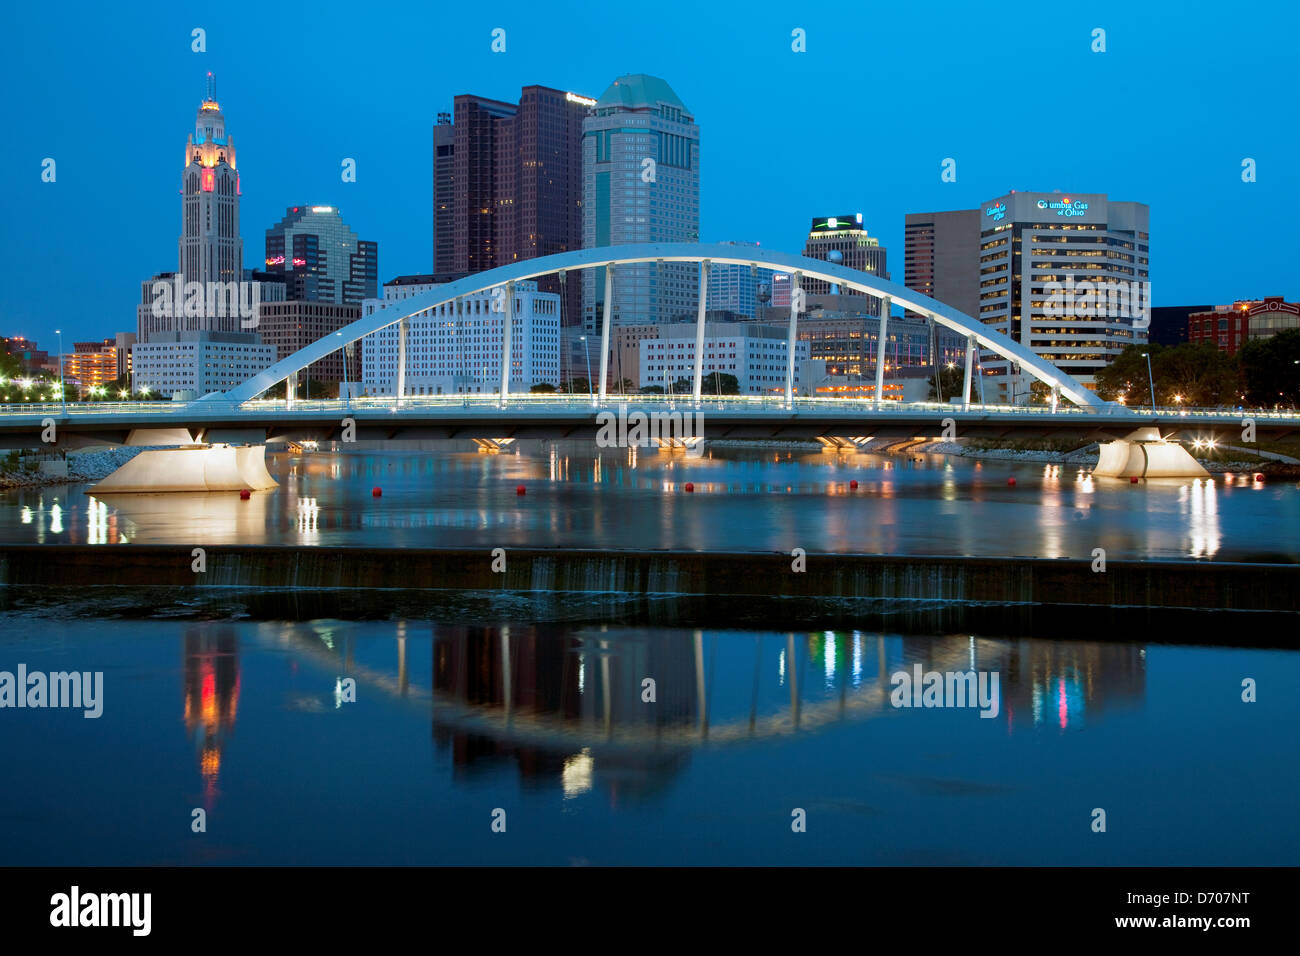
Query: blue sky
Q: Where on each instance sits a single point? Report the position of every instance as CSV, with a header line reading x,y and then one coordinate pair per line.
x,y
860,122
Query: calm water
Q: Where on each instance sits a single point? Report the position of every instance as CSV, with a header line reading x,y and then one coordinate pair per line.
x,y
546,721
744,499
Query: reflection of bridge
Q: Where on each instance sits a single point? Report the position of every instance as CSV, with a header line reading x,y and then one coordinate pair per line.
x,y
574,416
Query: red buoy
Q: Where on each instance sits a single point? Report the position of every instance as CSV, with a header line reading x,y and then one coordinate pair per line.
x,y
1259,476
377,492
520,489
1011,482
689,486
245,494
853,483
1133,481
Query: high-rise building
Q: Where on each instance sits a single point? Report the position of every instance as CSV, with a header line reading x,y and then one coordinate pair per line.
x,y
91,365
295,324
210,247
941,257
1066,276
321,258
507,184
196,362
738,288
843,241
444,195
641,183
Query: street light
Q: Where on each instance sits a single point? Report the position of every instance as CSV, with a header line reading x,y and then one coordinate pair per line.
x,y
63,392
1151,378
587,352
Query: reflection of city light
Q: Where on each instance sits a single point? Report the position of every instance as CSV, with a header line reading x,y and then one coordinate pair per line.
x,y
56,519
828,656
576,775
780,668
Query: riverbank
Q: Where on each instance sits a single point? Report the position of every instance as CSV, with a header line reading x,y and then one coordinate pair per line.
x,y
82,466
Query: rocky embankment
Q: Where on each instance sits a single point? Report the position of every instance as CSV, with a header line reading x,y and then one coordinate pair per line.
x,y
82,466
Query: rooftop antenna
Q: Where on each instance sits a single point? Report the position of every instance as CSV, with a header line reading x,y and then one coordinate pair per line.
x,y
212,87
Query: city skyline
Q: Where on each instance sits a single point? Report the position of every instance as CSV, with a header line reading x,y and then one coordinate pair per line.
x,y
761,188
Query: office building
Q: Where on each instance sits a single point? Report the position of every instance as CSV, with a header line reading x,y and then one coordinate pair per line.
x,y
641,183
507,182
24,351
190,364
941,257
843,240
455,348
91,365
754,353
293,325
738,289
321,258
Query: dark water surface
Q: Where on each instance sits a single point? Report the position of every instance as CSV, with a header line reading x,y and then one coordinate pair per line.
x,y
455,719
745,499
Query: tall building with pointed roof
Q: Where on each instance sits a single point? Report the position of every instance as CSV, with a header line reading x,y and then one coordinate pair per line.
x,y
641,183
210,247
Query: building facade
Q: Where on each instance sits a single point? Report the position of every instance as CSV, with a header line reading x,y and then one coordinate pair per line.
x,y
754,353
191,364
91,365
293,325
640,183
1229,327
321,258
455,348
941,257
210,247
844,241
507,181
739,288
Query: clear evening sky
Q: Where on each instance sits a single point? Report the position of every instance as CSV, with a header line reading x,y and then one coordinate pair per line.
x,y
861,122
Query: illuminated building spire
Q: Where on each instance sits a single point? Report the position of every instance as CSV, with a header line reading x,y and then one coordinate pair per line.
x,y
212,87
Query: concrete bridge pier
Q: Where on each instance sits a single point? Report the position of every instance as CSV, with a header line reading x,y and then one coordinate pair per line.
x,y
202,468
1145,454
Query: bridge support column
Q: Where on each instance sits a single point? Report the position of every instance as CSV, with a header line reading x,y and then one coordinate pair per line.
x,y
291,390
885,305
604,332
507,326
401,361
970,369
699,331
796,293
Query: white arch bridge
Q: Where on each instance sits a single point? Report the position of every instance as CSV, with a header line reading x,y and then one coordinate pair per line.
x,y
399,313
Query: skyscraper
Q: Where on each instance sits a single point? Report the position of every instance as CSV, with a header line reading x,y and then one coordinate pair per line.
x,y
641,183
844,241
941,257
507,181
210,247
322,259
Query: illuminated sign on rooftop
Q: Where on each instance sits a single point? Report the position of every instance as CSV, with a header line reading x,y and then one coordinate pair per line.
x,y
575,98
1064,207
322,208
851,221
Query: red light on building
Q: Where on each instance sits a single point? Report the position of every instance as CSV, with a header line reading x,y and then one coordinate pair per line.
x,y
209,180
300,262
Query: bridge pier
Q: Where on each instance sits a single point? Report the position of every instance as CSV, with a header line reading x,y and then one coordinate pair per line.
x,y
1145,454
202,468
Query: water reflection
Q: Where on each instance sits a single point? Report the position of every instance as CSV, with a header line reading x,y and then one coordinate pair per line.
x,y
211,698
743,499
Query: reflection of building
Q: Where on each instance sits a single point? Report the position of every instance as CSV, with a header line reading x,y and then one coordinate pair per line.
x,y
1042,682
549,685
211,697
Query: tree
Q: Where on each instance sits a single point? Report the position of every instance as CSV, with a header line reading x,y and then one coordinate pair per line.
x,y
951,379
576,386
1196,374
652,389
1271,369
543,387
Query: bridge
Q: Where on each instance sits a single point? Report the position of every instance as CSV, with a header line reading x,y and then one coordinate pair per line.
x,y
422,418
609,258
